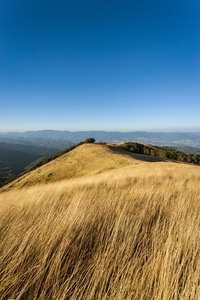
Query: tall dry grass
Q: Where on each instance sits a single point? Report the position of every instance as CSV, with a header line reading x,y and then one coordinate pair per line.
x,y
121,235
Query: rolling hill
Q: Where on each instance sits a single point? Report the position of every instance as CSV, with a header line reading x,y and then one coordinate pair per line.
x,y
87,159
100,222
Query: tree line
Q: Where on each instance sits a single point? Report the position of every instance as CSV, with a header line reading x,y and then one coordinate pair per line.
x,y
162,152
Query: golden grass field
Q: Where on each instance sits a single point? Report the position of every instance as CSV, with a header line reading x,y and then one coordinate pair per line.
x,y
113,226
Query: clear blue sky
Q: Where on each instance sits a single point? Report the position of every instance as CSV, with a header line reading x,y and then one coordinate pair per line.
x,y
100,65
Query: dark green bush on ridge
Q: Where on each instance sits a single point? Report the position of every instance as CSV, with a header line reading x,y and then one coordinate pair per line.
x,y
89,141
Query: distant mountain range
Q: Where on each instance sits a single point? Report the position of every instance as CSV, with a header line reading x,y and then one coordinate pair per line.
x,y
63,139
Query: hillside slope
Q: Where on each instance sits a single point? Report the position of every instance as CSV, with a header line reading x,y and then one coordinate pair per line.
x,y
87,159
111,226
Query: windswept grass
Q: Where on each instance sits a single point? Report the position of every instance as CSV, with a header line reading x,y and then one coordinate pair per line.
x,y
132,233
83,160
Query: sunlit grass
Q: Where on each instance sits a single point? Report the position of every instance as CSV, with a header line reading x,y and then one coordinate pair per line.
x,y
132,233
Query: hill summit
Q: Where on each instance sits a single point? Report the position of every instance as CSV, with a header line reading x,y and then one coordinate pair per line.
x,y
87,158
84,160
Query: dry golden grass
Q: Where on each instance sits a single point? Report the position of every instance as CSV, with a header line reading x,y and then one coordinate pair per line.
x,y
129,233
87,159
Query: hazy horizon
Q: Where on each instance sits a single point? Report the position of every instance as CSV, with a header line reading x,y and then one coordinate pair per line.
x,y
98,130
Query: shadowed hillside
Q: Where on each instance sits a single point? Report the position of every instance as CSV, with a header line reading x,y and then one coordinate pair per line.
x,y
16,159
110,225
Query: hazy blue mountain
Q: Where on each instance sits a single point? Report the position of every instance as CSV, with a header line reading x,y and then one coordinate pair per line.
x,y
46,142
63,139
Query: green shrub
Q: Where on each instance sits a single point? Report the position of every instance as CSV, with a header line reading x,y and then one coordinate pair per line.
x,y
89,141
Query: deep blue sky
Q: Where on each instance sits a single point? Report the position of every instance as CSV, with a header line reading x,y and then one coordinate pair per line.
x,y
100,65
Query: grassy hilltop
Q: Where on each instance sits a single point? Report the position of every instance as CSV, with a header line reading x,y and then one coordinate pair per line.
x,y
100,222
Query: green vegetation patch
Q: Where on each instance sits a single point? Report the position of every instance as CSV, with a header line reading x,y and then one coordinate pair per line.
x,y
162,152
